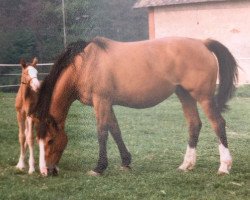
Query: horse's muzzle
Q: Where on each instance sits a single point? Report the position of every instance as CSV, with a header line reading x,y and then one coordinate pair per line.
x,y
53,171
49,171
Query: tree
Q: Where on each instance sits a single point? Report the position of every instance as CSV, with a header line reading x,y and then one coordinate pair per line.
x,y
41,21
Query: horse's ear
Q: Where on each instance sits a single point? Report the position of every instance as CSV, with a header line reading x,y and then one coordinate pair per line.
x,y
23,63
34,62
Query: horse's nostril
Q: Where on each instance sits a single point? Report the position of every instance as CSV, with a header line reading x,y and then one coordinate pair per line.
x,y
55,172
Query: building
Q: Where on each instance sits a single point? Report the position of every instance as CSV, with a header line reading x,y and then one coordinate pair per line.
x,y
227,21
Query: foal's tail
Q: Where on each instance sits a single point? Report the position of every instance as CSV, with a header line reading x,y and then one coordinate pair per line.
x,y
228,73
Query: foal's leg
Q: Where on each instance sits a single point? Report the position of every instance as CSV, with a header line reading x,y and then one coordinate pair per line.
x,y
30,142
116,134
191,114
219,124
21,135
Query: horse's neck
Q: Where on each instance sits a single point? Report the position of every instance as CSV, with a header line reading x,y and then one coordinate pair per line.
x,y
26,92
26,99
62,97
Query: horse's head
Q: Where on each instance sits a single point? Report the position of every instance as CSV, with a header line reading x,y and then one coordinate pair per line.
x,y
29,74
52,142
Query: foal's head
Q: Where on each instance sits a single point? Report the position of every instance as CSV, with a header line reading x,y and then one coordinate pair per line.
x,y
29,74
52,142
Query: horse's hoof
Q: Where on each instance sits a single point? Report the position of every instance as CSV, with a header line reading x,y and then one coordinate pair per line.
x,y
20,169
93,173
20,166
224,168
223,172
125,168
31,171
44,171
179,169
44,174
185,168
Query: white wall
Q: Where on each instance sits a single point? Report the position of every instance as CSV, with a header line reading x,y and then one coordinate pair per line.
x,y
227,22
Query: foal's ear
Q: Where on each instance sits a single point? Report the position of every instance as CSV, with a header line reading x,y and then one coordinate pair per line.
x,y
34,62
23,63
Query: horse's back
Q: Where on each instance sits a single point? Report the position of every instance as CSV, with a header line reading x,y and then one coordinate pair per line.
x,y
162,54
146,72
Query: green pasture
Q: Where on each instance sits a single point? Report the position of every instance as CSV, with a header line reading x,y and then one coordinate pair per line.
x,y
157,139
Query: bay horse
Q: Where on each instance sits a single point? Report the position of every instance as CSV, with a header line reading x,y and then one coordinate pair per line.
x,y
26,100
102,73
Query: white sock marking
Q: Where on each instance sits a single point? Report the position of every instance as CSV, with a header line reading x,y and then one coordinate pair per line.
x,y
29,141
42,163
225,160
189,159
21,164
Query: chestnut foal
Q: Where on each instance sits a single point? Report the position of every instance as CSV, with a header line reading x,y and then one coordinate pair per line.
x,y
25,101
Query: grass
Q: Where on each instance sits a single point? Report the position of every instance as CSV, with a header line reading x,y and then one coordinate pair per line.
x,y
156,138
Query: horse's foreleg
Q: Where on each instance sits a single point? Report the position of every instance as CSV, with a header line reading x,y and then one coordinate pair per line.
x,y
30,142
116,134
102,111
21,136
191,114
219,124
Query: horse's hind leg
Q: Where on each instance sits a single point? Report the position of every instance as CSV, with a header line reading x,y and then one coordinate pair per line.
x,y
22,141
30,142
116,134
219,124
191,114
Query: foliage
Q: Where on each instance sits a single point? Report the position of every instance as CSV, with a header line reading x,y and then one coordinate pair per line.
x,y
116,19
42,20
157,140
20,43
80,20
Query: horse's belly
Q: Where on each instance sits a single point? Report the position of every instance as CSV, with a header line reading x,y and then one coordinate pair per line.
x,y
144,97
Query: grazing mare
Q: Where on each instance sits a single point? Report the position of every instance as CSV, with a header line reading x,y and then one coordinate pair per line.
x,y
102,73
26,100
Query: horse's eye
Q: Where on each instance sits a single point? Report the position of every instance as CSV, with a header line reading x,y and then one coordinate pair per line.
x,y
51,141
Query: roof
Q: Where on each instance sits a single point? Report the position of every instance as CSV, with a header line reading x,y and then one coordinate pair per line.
x,y
154,3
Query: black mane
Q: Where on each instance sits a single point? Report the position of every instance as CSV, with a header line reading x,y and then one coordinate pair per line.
x,y
101,43
47,86
41,110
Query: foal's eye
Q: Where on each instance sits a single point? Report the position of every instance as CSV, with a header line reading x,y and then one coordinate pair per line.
x,y
51,141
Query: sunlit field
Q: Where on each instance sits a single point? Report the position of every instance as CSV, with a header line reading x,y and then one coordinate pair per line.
x,y
157,139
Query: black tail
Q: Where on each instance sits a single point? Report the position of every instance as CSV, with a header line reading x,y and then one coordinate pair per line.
x,y
228,73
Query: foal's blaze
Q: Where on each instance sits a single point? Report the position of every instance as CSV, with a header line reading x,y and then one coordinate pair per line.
x,y
29,74
103,73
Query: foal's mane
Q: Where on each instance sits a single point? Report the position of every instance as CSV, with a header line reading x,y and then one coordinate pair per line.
x,y
47,86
